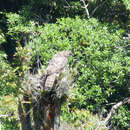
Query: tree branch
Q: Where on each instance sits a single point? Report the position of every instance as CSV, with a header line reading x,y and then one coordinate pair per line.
x,y
114,108
86,9
111,113
67,4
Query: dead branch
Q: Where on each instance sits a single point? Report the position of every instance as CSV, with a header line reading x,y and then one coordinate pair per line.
x,y
67,4
86,9
113,103
114,108
111,113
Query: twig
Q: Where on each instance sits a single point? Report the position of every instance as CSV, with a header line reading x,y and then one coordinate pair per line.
x,y
67,4
86,9
67,7
113,103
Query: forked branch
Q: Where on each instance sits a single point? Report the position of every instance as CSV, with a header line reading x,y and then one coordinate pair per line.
x,y
115,107
111,113
86,8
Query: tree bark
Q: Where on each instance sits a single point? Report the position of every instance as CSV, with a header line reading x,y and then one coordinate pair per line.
x,y
46,115
24,114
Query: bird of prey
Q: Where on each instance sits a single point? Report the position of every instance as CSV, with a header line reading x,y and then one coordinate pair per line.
x,y
56,65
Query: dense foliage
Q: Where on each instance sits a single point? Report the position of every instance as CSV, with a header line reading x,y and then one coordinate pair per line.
x,y
30,34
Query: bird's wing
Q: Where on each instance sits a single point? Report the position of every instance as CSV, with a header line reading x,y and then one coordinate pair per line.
x,y
50,82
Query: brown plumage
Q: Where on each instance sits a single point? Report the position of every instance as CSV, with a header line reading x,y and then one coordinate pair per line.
x,y
56,65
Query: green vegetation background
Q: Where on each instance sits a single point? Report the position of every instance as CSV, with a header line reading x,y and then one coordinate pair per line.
x,y
100,65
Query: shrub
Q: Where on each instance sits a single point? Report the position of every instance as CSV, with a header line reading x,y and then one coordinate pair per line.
x,y
100,62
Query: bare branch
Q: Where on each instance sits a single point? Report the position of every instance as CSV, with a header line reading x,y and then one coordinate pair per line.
x,y
67,4
114,108
111,113
86,9
69,7
113,103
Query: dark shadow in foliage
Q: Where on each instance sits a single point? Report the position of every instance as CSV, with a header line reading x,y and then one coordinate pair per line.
x,y
9,47
11,5
49,11
109,11
10,124
114,14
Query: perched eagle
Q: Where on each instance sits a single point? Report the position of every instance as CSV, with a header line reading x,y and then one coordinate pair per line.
x,y
56,65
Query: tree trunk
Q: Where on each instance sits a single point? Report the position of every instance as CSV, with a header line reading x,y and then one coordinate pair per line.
x,y
45,115
24,114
